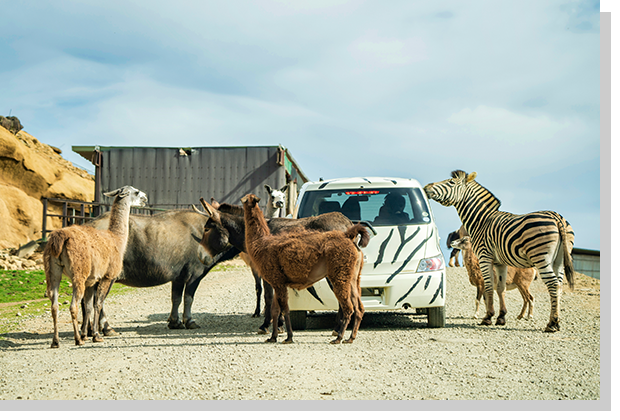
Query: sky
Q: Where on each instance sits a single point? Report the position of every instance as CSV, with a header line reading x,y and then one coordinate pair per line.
x,y
412,89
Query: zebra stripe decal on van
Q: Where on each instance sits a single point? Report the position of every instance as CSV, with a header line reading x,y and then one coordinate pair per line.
x,y
409,258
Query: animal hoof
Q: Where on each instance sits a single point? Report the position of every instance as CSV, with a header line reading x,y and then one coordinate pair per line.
x,y
97,339
500,321
287,341
263,331
110,333
486,321
79,343
176,325
256,315
191,325
270,340
54,345
336,341
349,341
552,328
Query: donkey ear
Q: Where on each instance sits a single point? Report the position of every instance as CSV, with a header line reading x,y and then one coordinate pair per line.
x,y
268,188
210,210
283,189
471,177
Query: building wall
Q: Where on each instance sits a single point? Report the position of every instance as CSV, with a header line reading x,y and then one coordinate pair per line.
x,y
587,264
181,176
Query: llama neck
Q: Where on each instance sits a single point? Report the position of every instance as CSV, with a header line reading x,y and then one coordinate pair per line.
x,y
255,224
119,221
272,211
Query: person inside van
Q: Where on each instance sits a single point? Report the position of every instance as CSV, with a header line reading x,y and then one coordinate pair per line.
x,y
392,211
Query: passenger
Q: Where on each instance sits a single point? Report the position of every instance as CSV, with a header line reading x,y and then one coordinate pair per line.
x,y
392,210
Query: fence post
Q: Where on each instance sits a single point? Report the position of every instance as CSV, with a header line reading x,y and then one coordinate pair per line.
x,y
44,224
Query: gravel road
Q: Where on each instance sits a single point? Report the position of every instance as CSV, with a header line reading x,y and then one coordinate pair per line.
x,y
395,356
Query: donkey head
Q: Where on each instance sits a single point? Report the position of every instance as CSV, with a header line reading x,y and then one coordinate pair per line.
x,y
215,237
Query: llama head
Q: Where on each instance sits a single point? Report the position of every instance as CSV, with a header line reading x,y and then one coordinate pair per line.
x,y
451,190
250,200
135,197
277,198
462,243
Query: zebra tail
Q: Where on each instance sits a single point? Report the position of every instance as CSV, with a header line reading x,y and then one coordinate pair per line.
x,y
569,272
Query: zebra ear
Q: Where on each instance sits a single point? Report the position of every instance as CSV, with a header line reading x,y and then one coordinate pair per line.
x,y
471,176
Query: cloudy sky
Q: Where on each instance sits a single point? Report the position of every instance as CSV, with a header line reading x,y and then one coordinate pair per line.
x,y
415,89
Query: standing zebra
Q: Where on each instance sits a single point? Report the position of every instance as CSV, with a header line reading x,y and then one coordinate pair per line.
x,y
542,239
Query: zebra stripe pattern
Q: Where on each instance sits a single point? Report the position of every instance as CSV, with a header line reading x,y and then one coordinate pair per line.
x,y
542,239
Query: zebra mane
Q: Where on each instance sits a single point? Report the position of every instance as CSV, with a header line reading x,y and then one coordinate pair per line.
x,y
458,174
463,175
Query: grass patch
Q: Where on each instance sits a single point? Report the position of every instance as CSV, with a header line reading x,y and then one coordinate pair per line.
x,y
22,295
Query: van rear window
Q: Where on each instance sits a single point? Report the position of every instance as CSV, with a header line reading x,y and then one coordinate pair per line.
x,y
379,206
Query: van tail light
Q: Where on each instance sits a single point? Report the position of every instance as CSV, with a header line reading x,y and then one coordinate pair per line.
x,y
430,264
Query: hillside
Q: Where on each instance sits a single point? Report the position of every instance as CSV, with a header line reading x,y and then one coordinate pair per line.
x,y
30,170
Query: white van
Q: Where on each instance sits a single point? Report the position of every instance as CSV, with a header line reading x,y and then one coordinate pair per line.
x,y
403,263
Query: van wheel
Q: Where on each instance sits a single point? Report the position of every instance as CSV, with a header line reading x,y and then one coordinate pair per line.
x,y
437,317
298,319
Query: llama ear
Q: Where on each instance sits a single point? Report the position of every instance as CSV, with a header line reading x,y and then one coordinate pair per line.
x,y
283,189
122,192
268,188
471,177
215,204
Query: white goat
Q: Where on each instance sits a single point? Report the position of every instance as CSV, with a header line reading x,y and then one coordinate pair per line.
x,y
276,204
89,256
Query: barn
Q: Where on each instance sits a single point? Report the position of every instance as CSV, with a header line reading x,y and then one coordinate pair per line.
x,y
176,177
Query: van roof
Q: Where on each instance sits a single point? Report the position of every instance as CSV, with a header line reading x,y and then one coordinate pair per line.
x,y
361,182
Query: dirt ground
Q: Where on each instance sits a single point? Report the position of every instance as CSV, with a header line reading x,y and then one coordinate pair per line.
x,y
395,357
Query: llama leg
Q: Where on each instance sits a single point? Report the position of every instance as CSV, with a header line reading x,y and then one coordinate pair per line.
x,y
54,275
283,303
78,294
343,294
525,297
487,273
479,295
103,289
87,311
358,313
275,312
259,290
501,293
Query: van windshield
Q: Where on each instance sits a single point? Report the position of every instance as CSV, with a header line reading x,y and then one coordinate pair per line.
x,y
379,206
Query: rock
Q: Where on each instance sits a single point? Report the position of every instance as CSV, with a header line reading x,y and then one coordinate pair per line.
x,y
30,170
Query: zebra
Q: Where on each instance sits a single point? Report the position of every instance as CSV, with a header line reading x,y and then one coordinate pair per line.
x,y
542,239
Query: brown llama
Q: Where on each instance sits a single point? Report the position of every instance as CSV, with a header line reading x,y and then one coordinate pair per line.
x,y
299,258
92,259
226,226
520,278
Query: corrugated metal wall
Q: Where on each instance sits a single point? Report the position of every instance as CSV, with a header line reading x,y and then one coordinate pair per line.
x,y
182,176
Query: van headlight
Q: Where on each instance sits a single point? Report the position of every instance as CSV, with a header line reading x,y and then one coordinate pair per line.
x,y
430,264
